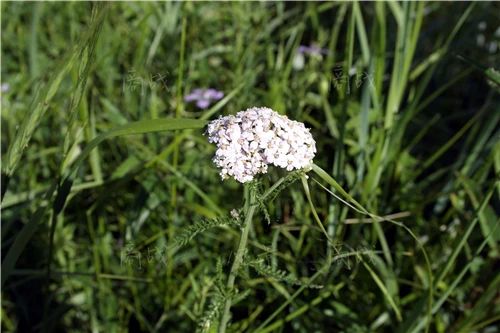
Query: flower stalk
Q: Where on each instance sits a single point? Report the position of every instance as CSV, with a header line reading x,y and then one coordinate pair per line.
x,y
250,207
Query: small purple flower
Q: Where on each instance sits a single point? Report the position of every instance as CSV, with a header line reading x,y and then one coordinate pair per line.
x,y
312,50
204,97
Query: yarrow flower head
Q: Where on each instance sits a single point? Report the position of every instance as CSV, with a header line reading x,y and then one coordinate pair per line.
x,y
204,97
250,141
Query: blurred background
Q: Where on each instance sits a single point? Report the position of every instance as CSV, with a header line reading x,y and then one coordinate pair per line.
x,y
401,98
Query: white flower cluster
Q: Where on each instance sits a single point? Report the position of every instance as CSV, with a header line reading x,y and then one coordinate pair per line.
x,y
257,137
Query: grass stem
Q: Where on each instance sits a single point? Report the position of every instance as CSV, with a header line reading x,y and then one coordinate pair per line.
x,y
238,259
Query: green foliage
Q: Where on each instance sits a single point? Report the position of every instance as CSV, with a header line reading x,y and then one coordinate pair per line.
x,y
211,315
45,92
265,197
187,234
269,272
102,157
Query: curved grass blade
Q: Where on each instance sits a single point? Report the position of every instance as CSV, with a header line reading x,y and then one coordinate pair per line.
x,y
313,209
139,127
359,208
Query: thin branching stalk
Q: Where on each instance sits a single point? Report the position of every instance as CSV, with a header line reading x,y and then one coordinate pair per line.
x,y
238,259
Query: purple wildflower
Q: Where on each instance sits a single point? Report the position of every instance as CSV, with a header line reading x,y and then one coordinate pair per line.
x,y
204,97
312,50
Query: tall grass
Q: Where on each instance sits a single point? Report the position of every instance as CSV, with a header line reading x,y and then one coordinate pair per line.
x,y
114,218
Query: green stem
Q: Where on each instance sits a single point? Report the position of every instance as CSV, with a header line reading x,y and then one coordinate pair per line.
x,y
250,207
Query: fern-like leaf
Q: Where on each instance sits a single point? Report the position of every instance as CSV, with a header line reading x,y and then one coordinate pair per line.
x,y
193,230
279,275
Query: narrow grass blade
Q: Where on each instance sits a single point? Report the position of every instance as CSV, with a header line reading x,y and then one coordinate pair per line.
x,y
43,97
458,247
315,214
439,303
384,290
360,28
139,127
359,208
22,239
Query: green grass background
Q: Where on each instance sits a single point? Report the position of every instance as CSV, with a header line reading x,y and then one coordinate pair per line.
x,y
405,112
